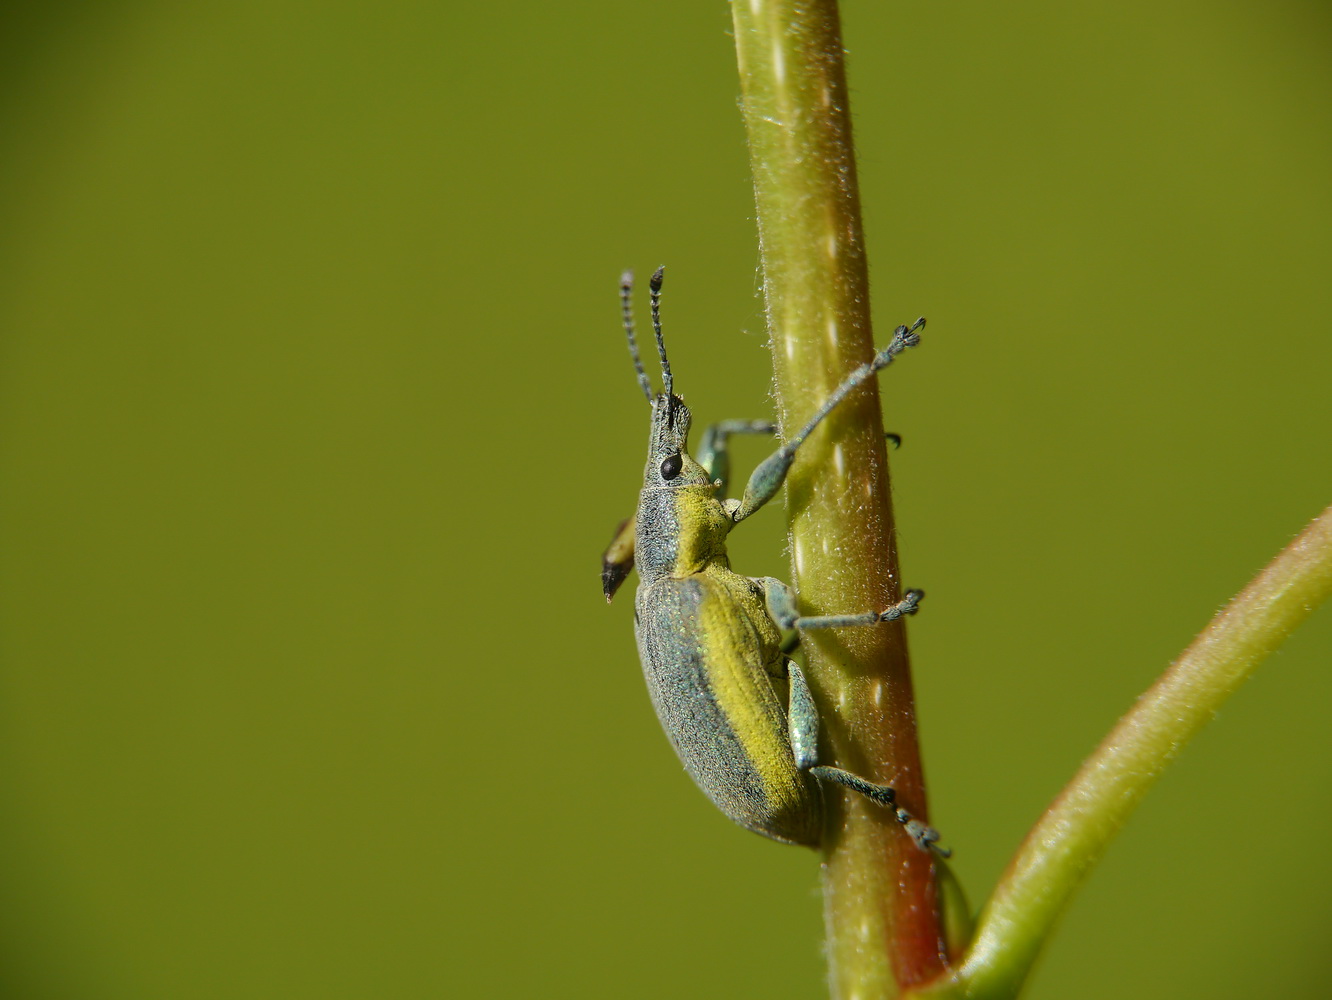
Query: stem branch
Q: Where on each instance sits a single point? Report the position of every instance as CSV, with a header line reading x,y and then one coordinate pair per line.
x,y
1075,831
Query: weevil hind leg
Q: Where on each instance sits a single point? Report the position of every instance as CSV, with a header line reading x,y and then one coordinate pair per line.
x,y
925,836
803,728
802,719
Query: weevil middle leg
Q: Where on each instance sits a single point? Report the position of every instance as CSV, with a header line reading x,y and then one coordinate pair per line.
x,y
782,608
906,606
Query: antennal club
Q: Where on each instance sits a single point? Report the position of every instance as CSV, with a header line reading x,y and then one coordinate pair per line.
x,y
654,287
627,309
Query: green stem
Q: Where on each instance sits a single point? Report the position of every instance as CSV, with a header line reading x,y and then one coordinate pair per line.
x,y
1075,830
880,890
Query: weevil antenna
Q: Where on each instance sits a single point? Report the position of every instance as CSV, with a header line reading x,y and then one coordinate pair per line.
x,y
654,287
627,310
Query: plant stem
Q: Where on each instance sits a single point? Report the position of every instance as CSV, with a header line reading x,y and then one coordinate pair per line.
x,y
1075,830
880,892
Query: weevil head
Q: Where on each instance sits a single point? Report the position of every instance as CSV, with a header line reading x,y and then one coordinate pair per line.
x,y
669,465
680,527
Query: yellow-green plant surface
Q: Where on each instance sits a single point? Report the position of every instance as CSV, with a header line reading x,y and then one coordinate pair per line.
x,y
315,416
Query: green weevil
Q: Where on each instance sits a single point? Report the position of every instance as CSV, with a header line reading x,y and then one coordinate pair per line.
x,y
710,640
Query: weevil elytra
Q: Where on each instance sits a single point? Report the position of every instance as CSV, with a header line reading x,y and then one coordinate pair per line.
x,y
710,640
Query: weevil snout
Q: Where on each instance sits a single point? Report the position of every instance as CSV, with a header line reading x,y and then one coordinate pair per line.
x,y
671,421
669,462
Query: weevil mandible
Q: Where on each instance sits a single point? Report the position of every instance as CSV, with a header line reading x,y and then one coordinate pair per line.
x,y
710,640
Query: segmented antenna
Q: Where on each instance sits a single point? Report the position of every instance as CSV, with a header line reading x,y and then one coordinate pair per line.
x,y
627,309
654,287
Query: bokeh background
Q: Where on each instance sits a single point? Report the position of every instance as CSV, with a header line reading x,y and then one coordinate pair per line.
x,y
315,416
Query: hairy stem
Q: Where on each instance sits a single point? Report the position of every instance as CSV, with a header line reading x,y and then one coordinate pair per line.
x,y
880,890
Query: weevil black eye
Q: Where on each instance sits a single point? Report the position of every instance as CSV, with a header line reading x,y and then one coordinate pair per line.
x,y
672,466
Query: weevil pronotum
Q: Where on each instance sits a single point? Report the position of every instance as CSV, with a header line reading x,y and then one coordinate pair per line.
x,y
710,639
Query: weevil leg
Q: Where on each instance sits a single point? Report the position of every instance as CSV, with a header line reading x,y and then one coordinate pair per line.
x,y
906,606
780,600
803,727
782,607
768,477
802,719
618,559
713,451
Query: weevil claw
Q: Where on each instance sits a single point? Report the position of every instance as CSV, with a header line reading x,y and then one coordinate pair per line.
x,y
908,605
925,836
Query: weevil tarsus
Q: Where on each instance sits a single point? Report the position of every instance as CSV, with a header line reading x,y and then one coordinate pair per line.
x,y
925,836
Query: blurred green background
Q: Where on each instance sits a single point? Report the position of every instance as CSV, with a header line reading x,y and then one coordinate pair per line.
x,y
315,415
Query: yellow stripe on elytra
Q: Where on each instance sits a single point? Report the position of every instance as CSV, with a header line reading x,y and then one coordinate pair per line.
x,y
742,689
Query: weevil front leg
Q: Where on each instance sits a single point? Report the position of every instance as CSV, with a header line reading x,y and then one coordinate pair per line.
x,y
713,451
768,477
803,726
